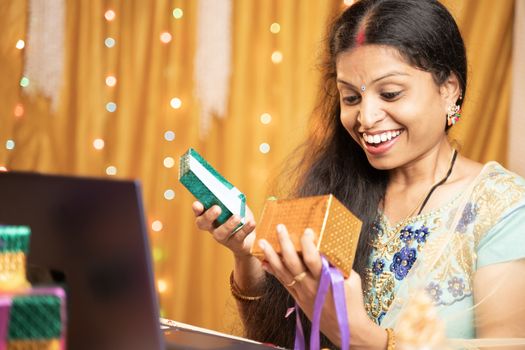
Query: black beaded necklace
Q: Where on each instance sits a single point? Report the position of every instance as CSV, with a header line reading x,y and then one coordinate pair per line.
x,y
436,185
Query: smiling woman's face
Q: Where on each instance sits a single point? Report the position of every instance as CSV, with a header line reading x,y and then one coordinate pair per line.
x,y
394,111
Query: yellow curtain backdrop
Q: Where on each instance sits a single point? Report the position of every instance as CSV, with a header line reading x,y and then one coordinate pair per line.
x,y
191,269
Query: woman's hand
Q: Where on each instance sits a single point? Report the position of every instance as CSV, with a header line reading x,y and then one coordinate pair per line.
x,y
240,242
301,276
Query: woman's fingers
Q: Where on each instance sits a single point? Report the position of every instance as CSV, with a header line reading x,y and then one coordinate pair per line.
x,y
197,208
311,256
225,231
288,252
206,219
277,268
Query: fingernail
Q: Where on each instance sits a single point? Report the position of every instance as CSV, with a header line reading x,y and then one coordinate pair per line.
x,y
280,227
309,233
262,244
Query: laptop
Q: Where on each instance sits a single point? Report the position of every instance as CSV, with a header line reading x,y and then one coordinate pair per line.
x,y
89,236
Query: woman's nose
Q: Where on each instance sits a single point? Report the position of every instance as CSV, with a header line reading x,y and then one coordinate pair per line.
x,y
370,113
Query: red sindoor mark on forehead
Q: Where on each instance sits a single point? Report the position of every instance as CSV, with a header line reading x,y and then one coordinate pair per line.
x,y
360,37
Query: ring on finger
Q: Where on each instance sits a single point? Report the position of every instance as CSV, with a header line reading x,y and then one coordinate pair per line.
x,y
291,284
298,278
235,230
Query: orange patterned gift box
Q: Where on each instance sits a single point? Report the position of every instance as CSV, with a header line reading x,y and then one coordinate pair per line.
x,y
336,229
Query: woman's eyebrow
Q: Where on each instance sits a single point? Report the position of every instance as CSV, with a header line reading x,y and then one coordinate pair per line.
x,y
387,75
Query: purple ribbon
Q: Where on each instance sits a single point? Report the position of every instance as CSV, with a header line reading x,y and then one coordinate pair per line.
x,y
330,276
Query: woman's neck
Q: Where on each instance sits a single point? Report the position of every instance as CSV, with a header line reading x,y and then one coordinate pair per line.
x,y
427,169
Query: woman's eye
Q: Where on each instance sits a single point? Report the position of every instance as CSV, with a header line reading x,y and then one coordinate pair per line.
x,y
389,96
351,100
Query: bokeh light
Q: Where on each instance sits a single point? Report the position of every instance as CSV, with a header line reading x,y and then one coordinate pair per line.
x,y
10,144
277,57
266,118
169,194
19,110
111,81
275,28
111,170
169,135
264,148
98,144
156,225
3,168
110,15
162,286
24,82
169,162
165,37
158,254
175,103
178,13
111,107
109,42
20,44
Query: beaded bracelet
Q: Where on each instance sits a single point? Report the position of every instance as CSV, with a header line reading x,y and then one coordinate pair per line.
x,y
237,293
391,339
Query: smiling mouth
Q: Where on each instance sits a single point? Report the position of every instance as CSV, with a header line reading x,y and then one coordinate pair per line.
x,y
378,139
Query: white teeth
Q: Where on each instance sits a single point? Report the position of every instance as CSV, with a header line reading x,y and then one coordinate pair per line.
x,y
378,138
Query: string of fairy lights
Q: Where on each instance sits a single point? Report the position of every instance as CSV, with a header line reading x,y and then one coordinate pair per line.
x,y
111,80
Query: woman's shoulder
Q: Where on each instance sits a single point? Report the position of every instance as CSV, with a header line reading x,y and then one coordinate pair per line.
x,y
495,178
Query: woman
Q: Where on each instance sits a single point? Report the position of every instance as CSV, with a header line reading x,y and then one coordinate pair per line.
x,y
395,78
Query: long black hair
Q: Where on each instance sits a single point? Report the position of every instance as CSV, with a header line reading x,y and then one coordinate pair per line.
x,y
428,38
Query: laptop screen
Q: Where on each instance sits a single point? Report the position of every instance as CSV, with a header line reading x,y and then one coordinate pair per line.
x,y
89,235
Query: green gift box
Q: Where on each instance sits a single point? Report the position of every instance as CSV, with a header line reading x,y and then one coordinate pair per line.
x,y
211,188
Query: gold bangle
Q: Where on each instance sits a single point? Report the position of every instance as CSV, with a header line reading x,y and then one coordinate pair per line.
x,y
237,293
391,339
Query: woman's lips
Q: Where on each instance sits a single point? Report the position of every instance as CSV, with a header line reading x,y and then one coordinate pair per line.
x,y
377,148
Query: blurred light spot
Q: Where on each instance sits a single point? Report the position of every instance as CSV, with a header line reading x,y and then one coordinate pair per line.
x,y
110,15
348,2
165,37
266,118
111,170
109,42
169,162
175,103
20,44
277,57
158,254
19,110
24,82
169,194
156,225
178,13
264,148
275,28
111,107
10,144
169,135
111,80
162,286
98,144
3,168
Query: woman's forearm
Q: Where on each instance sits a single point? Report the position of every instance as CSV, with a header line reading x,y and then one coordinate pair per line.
x,y
248,275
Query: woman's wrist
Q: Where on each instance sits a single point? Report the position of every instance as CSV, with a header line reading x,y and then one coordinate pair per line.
x,y
247,276
368,335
